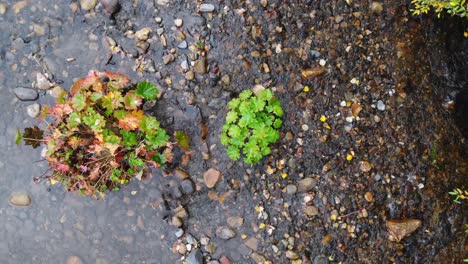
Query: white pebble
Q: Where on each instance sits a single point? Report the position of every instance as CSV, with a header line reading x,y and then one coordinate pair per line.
x,y
322,62
33,110
380,105
305,127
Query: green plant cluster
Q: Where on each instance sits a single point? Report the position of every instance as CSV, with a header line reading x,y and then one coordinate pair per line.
x,y
452,7
98,138
252,125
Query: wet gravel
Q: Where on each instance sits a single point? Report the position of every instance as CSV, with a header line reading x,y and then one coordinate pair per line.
x,y
367,137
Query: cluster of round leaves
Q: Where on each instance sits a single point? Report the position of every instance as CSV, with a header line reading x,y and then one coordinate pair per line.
x,y
252,124
99,138
453,7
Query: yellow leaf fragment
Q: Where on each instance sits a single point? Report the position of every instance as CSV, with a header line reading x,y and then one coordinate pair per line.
x,y
349,157
323,118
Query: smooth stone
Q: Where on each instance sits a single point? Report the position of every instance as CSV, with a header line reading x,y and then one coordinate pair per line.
x,y
200,65
195,257
33,110
252,243
225,232
306,185
182,45
311,210
143,34
158,20
74,260
160,31
380,105
184,64
3,8
376,7
88,4
178,22
26,94
401,228
291,189
42,82
291,254
189,75
20,199
179,233
211,177
235,221
204,8
168,58
187,186
57,91
111,6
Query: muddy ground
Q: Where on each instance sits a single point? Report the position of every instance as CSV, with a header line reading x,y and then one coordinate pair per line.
x,y
379,135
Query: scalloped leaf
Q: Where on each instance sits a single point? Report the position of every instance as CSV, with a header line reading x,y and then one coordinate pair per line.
x,y
147,90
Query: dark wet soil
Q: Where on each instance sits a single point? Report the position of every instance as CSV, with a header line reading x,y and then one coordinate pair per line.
x,y
397,157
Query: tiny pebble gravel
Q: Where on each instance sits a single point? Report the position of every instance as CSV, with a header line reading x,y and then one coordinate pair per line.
x,y
380,105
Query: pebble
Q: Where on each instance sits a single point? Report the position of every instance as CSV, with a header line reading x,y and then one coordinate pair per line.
x,y
291,254
142,46
176,221
291,189
88,4
18,6
74,260
168,58
179,233
26,94
252,243
376,7
224,260
158,20
369,197
182,45
365,166
160,31
306,185
235,221
178,22
57,91
184,64
380,105
20,199
111,6
3,8
226,80
33,110
305,127
311,210
189,75
143,34
195,257
402,228
200,66
187,186
205,8
42,82
211,177
258,258
225,232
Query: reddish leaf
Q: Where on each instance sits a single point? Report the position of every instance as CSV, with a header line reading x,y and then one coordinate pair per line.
x,y
62,167
59,110
130,121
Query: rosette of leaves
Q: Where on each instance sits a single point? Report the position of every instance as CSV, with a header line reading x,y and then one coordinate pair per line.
x,y
251,125
98,138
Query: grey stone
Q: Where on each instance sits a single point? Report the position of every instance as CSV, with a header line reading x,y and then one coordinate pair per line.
x,y
33,110
380,105
178,22
207,8
160,31
182,45
168,58
306,185
26,94
200,66
195,257
291,189
179,232
111,6
187,186
225,232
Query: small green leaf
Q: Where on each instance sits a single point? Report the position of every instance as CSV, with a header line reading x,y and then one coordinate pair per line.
x,y
231,117
277,124
265,95
234,131
224,139
147,90
159,158
244,95
19,136
234,103
74,120
149,125
79,102
129,139
183,139
95,96
233,152
257,104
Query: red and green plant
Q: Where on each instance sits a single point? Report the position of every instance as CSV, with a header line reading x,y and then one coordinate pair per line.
x,y
97,137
